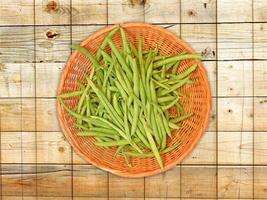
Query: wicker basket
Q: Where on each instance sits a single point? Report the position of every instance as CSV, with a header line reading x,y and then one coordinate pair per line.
x,y
197,100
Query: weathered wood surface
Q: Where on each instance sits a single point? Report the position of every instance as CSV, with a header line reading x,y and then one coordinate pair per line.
x,y
37,162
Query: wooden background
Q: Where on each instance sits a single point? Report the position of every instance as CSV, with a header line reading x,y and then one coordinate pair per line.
x,y
230,162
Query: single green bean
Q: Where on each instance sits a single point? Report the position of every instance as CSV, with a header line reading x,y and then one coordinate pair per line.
x,y
71,94
178,119
175,59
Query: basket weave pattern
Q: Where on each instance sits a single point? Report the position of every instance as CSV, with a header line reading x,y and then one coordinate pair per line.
x,y
197,100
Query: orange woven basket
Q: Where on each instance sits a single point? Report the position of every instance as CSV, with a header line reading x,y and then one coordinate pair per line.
x,y
197,100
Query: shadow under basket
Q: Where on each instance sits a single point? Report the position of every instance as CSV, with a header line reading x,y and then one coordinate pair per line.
x,y
196,100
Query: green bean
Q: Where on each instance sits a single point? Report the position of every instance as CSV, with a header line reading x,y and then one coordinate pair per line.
x,y
126,49
94,133
127,160
136,79
174,87
105,41
126,125
135,118
112,143
160,84
80,126
152,143
119,149
116,105
106,103
71,94
140,52
81,101
166,125
148,75
178,119
106,57
171,104
120,59
163,71
154,127
187,72
134,50
166,99
104,130
173,125
175,59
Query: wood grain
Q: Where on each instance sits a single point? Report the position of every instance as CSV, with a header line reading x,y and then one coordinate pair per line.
x,y
89,12
89,181
17,114
239,11
235,114
52,43
47,78
17,44
260,182
124,187
260,10
260,41
260,78
120,11
46,115
260,114
204,152
234,41
235,78
16,12
165,185
157,11
52,147
235,182
17,80
52,12
235,148
54,180
198,11
202,38
198,182
260,146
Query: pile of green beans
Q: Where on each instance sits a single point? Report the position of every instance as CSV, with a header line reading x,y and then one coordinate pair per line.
x,y
125,99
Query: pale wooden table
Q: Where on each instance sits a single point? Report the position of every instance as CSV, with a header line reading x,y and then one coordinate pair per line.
x,y
230,162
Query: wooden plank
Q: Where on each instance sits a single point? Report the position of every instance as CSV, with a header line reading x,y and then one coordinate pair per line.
x,y
260,10
54,180
120,11
52,147
91,198
11,176
46,115
260,182
235,114
17,147
17,114
157,11
202,38
198,11
11,147
52,43
237,11
235,78
235,182
89,181
260,41
234,41
47,78
89,12
260,78
260,113
16,12
174,28
198,182
17,80
164,185
52,12
235,148
260,146
77,159
16,44
204,152
126,188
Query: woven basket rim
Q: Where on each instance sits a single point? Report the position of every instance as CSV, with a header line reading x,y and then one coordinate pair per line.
x,y
67,131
